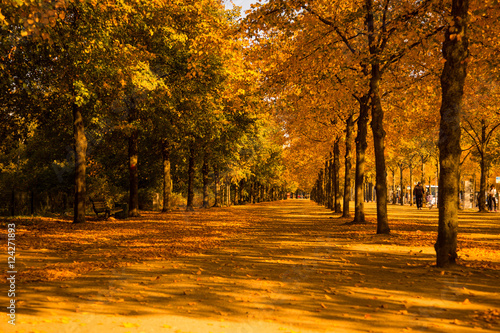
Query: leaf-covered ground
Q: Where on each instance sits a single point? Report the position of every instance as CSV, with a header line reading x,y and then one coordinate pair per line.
x,y
288,266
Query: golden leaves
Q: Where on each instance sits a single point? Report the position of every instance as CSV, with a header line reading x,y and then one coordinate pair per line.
x,y
58,238
2,18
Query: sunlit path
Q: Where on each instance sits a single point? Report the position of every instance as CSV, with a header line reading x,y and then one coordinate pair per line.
x,y
292,266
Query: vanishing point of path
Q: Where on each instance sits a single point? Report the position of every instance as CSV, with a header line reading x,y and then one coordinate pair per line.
x,y
292,266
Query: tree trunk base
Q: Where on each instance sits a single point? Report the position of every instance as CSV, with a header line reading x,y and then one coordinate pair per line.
x,y
384,232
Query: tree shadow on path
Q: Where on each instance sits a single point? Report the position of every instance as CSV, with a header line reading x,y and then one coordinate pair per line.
x,y
292,266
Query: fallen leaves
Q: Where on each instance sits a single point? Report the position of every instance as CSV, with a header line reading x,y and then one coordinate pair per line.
x,y
83,248
369,283
489,317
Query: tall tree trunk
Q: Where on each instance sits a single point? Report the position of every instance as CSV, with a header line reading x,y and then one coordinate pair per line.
x,y
80,165
331,184
422,178
483,187
204,172
361,146
401,184
377,125
133,157
256,191
236,196
240,190
167,177
336,176
223,193
393,186
455,52
190,193
321,188
348,164
410,166
252,189
437,176
378,140
328,179
216,187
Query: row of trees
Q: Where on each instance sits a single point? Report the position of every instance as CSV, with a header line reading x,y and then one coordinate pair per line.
x,y
337,68
121,100
136,95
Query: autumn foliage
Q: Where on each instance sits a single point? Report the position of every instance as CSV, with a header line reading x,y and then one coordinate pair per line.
x,y
197,123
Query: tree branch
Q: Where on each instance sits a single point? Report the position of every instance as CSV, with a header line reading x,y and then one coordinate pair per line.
x,y
334,26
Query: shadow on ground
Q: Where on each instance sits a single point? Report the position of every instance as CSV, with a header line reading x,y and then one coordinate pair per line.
x,y
295,265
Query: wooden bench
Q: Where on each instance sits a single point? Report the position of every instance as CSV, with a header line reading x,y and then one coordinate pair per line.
x,y
101,207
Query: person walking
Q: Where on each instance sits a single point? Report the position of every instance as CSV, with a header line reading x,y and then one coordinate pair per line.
x,y
418,192
492,199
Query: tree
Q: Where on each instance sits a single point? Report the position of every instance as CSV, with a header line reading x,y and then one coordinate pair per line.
x,y
455,52
385,39
481,132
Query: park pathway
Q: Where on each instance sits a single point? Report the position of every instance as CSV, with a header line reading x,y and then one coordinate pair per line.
x,y
292,267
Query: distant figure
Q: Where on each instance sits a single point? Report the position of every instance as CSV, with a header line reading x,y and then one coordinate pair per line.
x,y
492,200
418,192
431,201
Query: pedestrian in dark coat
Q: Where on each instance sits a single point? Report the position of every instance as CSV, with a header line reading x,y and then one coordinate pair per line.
x,y
418,192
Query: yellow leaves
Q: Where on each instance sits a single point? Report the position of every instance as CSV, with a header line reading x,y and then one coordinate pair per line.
x,y
129,325
2,18
488,316
458,37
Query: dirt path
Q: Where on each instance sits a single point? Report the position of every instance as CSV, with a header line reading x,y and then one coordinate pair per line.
x,y
291,267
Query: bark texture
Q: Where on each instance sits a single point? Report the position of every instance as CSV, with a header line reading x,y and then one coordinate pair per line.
x,y
336,176
377,125
455,52
361,146
348,164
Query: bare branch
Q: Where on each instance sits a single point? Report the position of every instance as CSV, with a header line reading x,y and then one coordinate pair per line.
x,y
334,26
